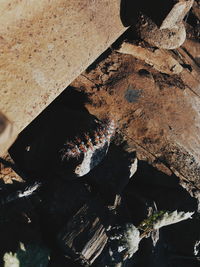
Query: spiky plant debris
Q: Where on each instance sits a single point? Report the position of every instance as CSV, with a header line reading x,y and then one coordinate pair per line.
x,y
162,218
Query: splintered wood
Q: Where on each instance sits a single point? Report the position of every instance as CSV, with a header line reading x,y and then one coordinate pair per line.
x,y
84,236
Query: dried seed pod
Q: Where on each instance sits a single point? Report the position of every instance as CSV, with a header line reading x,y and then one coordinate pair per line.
x,y
88,149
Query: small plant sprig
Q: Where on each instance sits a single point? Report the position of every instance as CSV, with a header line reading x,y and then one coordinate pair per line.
x,y
146,226
162,218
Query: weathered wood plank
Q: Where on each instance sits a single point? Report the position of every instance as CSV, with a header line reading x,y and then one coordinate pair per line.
x,y
44,47
156,113
84,236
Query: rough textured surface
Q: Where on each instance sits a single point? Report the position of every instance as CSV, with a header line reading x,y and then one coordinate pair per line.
x,y
171,33
153,110
159,59
44,47
100,218
88,148
7,173
88,226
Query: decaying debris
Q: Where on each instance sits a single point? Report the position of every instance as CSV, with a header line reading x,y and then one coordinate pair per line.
x,y
171,33
133,167
10,260
153,110
116,203
7,172
124,239
26,191
159,219
160,59
92,148
84,237
197,247
163,218
150,98
123,243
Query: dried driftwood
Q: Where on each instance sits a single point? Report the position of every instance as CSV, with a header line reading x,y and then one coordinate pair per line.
x,y
84,237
